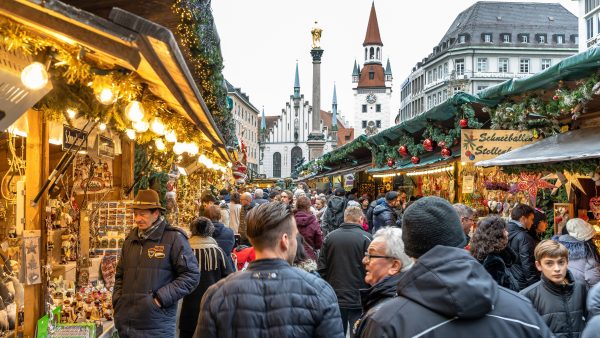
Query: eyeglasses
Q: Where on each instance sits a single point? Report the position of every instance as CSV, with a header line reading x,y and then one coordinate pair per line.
x,y
368,256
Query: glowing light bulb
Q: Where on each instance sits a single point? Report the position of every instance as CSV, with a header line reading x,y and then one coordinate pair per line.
x,y
209,162
171,137
34,76
135,111
102,126
130,133
106,96
160,145
192,149
179,148
229,164
71,113
158,127
141,126
202,159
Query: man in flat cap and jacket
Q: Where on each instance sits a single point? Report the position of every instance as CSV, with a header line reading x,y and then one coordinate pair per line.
x,y
156,268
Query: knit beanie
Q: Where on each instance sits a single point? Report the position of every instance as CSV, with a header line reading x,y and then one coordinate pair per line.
x,y
580,229
428,222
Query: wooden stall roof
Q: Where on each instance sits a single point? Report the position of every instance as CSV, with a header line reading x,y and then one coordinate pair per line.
x,y
129,41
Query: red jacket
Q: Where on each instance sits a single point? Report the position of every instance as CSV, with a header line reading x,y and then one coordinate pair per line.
x,y
309,228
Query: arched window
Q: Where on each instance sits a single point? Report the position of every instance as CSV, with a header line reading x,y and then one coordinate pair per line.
x,y
372,53
378,56
276,164
295,156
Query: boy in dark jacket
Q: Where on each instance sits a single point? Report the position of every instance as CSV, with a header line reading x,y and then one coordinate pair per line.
x,y
523,245
557,297
593,306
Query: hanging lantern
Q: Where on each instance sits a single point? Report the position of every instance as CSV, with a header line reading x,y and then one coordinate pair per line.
x,y
135,111
158,127
171,137
403,151
34,76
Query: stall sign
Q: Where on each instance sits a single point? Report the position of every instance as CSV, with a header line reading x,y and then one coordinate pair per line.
x,y
468,184
73,137
348,180
481,144
106,146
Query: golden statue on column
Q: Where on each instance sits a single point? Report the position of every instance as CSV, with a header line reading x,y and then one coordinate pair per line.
x,y
316,36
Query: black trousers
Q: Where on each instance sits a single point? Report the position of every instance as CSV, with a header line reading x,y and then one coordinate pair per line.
x,y
349,316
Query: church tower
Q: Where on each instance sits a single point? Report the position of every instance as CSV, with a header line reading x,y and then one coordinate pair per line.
x,y
373,91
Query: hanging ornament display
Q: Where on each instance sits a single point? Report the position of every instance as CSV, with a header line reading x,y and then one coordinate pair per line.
x,y
429,144
403,151
595,207
442,144
531,183
464,123
390,162
415,160
572,180
446,153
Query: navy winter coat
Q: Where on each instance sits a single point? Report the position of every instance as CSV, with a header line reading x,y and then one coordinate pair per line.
x,y
162,266
522,244
334,215
593,306
384,216
270,299
447,293
226,240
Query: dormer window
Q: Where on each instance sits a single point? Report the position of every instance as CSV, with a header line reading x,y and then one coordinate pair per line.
x,y
559,39
462,38
505,38
540,38
524,38
486,37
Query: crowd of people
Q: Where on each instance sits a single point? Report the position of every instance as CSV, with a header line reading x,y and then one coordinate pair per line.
x,y
279,263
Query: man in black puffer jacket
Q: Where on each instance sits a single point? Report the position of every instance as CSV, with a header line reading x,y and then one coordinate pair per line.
x,y
447,293
157,268
557,297
521,242
270,298
334,215
384,215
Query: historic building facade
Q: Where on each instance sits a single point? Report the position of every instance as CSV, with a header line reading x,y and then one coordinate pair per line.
x,y
246,119
283,137
589,24
488,43
373,91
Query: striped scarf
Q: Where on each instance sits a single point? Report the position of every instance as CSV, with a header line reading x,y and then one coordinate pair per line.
x,y
207,252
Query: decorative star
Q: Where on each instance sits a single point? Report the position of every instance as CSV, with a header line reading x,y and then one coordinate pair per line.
x,y
531,183
32,248
558,183
573,180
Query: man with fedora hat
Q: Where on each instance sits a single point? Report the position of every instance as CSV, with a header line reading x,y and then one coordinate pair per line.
x,y
447,293
157,268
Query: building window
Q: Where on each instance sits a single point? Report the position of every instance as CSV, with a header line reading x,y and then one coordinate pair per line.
x,y
429,76
462,39
487,37
546,63
524,66
524,38
482,64
276,164
371,75
435,74
560,39
506,38
503,65
481,87
541,38
445,69
378,108
378,123
590,28
459,65
429,102
364,108
439,95
364,123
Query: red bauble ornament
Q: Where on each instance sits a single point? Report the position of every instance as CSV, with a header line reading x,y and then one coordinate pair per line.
x,y
390,162
442,144
429,144
415,160
464,123
555,97
446,153
403,151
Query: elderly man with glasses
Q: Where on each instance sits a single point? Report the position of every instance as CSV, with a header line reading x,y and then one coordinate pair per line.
x,y
467,219
384,262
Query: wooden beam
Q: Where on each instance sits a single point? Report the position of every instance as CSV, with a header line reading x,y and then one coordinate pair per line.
x,y
36,173
127,161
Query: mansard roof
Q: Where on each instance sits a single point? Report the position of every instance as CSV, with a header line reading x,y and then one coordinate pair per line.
x,y
378,80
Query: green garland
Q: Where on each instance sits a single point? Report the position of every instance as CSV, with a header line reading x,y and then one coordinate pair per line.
x,y
583,167
197,32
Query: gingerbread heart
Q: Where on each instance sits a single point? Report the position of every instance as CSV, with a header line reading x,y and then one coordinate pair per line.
x,y
595,206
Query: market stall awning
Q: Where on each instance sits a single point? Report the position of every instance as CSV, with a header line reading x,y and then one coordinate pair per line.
x,y
574,145
343,171
427,160
572,68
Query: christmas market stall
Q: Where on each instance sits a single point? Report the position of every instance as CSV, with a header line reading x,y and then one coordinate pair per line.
x,y
95,109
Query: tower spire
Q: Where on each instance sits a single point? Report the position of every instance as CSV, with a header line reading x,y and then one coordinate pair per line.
x,y
373,37
263,120
334,110
297,83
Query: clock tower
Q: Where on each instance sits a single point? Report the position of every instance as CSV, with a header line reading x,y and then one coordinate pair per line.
x,y
373,91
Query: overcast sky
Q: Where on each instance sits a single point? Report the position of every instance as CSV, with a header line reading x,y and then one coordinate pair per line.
x,y
262,39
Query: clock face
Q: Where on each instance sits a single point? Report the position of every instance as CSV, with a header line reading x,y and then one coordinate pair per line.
x,y
371,98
